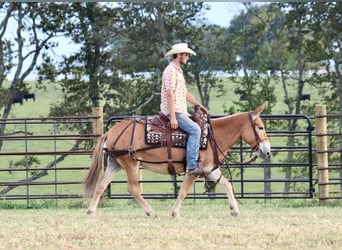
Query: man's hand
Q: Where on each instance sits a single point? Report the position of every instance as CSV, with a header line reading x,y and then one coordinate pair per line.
x,y
173,122
203,109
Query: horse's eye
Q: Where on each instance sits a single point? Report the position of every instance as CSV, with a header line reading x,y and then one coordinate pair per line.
x,y
261,128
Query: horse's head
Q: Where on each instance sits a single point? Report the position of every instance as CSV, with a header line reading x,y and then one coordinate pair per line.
x,y
254,133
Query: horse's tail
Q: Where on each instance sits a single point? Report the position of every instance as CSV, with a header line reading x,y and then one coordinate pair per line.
x,y
96,169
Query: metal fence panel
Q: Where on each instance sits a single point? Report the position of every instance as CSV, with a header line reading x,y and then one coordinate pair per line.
x,y
61,166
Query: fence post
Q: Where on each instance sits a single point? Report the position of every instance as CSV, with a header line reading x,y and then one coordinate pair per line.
x,y
322,155
97,130
97,123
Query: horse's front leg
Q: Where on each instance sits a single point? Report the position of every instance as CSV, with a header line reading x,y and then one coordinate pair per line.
x,y
188,181
215,176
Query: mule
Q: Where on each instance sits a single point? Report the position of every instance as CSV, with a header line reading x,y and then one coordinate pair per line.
x,y
127,150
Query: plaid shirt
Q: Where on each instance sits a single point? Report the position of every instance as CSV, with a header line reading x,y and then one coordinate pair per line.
x,y
173,79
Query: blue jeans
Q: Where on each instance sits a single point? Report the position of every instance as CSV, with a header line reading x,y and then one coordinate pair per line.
x,y
194,135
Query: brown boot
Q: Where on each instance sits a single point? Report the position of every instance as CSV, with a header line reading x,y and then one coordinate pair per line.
x,y
198,171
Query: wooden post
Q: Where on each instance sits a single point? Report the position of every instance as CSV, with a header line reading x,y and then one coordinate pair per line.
x,y
97,123
322,155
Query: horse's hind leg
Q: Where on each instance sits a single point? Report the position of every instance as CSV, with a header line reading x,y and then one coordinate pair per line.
x,y
112,168
133,187
215,176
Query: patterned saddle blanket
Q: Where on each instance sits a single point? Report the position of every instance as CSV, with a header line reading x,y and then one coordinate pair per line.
x,y
158,126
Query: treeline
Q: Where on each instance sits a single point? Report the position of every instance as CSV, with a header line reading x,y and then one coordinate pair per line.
x,y
293,44
283,40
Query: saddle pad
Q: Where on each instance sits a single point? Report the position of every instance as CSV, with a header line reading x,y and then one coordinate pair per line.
x,y
178,138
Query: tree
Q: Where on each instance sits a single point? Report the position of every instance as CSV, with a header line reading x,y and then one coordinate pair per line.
x,y
251,44
127,53
326,24
85,72
149,30
209,60
35,25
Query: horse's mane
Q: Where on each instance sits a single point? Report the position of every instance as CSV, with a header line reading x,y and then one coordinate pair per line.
x,y
229,116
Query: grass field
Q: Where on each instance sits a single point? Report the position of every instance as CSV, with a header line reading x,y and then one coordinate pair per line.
x,y
203,225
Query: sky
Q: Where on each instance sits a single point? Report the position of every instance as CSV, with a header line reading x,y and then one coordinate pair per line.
x,y
221,13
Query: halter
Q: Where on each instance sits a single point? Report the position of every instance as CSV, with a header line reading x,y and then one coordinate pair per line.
x,y
257,137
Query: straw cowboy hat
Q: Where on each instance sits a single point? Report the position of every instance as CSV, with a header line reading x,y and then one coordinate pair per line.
x,y
180,48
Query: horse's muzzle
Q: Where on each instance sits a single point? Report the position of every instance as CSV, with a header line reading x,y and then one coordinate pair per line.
x,y
264,150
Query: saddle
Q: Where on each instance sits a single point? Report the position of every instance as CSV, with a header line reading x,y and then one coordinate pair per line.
x,y
159,131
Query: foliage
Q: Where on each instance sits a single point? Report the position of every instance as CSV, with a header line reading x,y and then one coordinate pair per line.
x,y
253,46
172,22
287,31
35,24
30,162
209,60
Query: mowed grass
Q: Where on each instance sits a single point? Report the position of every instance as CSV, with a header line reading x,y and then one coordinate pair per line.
x,y
202,225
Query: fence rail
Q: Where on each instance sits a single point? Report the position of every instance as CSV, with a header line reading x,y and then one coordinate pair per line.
x,y
48,163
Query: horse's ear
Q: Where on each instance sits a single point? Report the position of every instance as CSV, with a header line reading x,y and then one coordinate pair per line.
x,y
259,109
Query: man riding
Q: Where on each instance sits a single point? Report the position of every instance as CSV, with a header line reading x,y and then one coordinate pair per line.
x,y
174,98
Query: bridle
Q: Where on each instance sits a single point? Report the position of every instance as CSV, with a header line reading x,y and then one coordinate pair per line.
x,y
257,137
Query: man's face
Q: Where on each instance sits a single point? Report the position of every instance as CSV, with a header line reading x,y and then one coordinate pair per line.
x,y
183,58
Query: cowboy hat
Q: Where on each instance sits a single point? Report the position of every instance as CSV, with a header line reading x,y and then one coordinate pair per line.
x,y
180,48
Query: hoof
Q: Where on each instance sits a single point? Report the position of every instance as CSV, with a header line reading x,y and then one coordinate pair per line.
x,y
91,213
152,215
234,213
175,215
